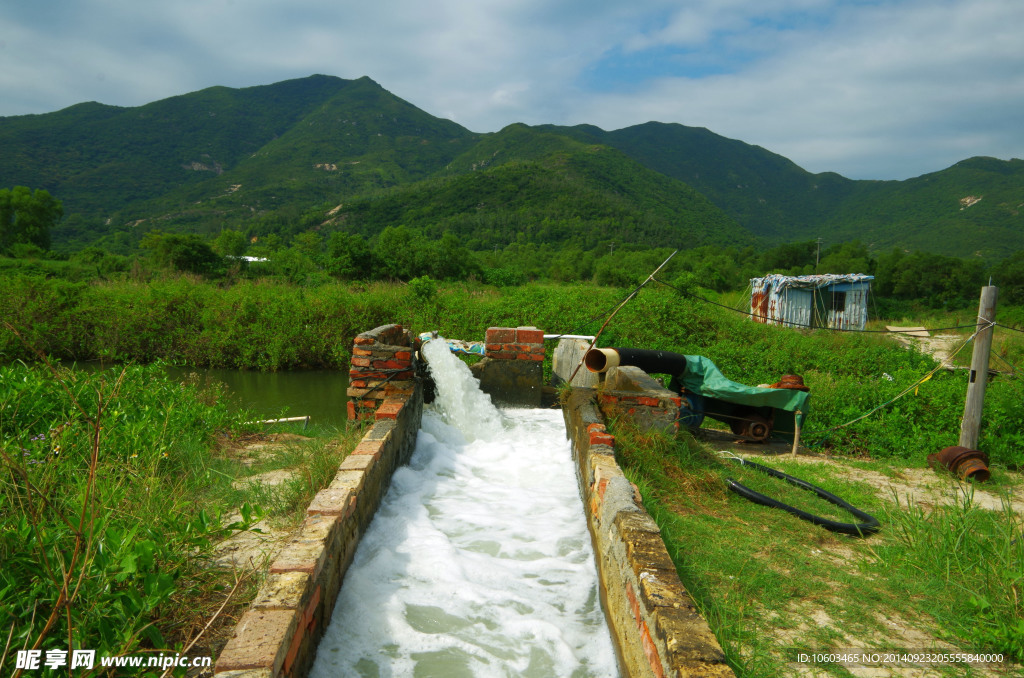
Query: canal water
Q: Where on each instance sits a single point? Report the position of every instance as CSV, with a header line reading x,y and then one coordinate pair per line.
x,y
478,562
319,394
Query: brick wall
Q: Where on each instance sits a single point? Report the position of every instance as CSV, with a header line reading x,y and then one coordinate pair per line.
x,y
515,343
512,371
656,625
279,634
382,367
632,392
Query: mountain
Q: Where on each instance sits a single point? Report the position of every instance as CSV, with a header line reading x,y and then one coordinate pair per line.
x,y
521,184
767,193
326,153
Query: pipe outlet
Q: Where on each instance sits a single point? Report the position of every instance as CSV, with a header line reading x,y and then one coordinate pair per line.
x,y
601,359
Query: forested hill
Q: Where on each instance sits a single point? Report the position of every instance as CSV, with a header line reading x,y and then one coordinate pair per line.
x,y
330,154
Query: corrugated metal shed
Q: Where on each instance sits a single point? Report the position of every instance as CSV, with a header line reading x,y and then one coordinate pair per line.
x,y
829,300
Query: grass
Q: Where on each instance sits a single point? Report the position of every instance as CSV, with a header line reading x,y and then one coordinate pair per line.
x,y
772,585
116,487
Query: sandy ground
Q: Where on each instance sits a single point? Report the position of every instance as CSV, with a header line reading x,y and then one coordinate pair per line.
x,y
256,548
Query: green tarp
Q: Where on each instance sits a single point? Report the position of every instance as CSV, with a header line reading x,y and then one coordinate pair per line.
x,y
703,378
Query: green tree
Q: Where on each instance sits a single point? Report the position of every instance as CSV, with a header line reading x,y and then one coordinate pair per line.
x,y
348,256
1008,275
230,243
849,257
27,217
309,243
182,252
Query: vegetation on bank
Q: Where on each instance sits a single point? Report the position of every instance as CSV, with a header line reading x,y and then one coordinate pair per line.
x,y
271,323
938,579
115,488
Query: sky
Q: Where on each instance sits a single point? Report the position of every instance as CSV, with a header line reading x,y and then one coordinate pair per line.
x,y
871,89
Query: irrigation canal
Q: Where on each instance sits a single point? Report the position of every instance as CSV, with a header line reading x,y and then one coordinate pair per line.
x,y
478,562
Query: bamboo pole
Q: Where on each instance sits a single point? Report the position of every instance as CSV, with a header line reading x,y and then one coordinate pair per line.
x,y
617,308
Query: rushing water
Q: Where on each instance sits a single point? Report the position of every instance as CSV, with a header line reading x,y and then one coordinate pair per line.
x,y
478,562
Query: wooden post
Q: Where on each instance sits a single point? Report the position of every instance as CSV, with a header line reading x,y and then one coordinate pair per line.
x,y
796,432
979,369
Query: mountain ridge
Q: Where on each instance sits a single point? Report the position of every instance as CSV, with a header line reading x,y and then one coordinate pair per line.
x,y
280,156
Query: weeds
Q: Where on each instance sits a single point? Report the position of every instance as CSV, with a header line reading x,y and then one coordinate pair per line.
x,y
102,519
771,585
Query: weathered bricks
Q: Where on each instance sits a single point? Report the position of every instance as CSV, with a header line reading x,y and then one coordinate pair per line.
x,y
631,391
383,365
278,636
261,641
656,625
514,343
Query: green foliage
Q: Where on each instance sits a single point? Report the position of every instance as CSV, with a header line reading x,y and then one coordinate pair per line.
x,y
26,218
982,553
423,289
98,525
230,243
180,252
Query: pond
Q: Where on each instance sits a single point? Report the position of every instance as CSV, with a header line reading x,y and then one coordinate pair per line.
x,y
319,394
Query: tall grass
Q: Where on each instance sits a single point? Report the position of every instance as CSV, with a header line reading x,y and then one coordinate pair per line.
x,y
976,557
102,483
271,325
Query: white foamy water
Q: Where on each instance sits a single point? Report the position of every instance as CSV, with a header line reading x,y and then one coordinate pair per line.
x,y
478,562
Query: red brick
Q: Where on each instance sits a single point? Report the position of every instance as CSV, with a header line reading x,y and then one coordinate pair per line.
x,y
529,335
652,653
500,335
392,364
634,606
403,355
361,362
645,400
605,398
361,351
501,356
364,340
677,401
599,438
595,427
528,356
358,383
260,639
494,347
389,410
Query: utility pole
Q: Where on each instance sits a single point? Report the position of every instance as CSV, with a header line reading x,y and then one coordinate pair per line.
x,y
979,369
817,255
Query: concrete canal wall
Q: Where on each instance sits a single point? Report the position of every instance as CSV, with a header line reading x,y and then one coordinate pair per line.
x,y
656,626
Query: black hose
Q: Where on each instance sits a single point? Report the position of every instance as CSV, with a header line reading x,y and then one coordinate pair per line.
x,y
864,529
652,361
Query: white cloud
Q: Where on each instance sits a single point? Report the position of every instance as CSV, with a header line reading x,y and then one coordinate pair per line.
x,y
869,88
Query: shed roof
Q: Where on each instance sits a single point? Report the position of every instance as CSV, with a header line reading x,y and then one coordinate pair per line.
x,y
780,282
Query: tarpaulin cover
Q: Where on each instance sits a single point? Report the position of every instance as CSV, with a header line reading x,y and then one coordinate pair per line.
x,y
704,378
457,345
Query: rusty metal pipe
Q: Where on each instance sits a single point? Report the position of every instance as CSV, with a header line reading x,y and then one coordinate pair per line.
x,y
966,463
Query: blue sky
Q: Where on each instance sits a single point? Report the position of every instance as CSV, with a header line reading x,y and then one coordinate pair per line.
x,y
872,89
